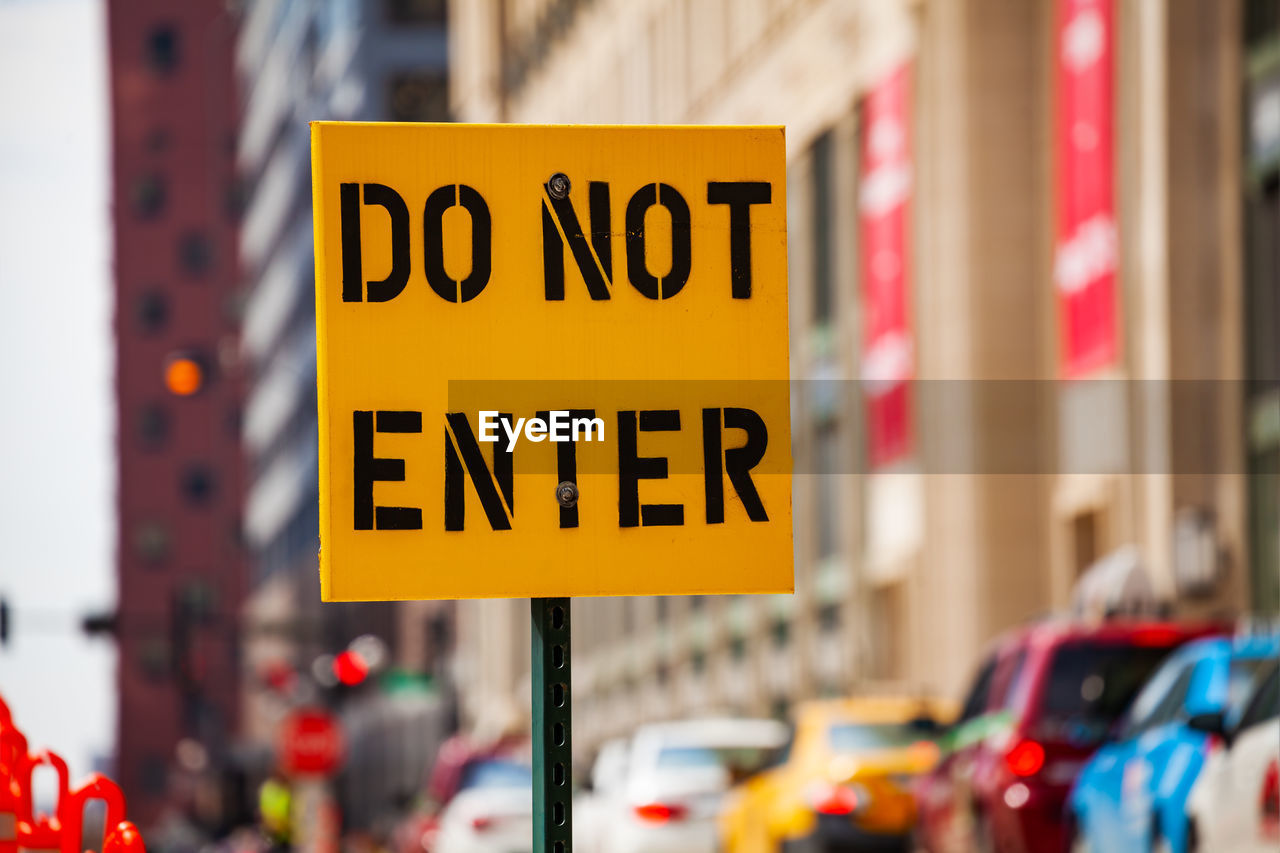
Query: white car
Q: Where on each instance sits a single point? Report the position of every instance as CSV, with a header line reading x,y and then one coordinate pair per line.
x,y
1235,804
593,807
492,811
675,778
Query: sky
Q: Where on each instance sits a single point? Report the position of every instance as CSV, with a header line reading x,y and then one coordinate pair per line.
x,y
57,473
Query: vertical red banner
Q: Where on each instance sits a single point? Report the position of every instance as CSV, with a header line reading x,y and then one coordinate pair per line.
x,y
1085,250
888,350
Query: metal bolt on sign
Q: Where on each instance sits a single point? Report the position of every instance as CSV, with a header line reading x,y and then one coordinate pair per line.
x,y
552,727
567,494
558,186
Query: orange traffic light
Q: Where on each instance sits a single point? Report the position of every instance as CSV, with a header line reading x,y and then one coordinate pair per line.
x,y
183,375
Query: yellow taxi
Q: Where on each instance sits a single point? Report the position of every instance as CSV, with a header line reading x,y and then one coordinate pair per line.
x,y
843,783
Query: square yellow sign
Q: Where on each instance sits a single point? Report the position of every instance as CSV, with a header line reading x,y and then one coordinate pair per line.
x,y
552,361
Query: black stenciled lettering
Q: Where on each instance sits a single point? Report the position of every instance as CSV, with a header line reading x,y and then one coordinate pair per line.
x,y
681,241
713,466
632,468
352,274
487,482
737,461
353,284
368,469
433,212
567,463
739,196
597,268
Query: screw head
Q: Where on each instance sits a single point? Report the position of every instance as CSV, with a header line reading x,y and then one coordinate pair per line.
x,y
558,185
567,494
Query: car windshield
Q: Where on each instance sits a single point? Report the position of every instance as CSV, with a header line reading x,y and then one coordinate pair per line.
x,y
862,738
1265,703
1243,675
496,774
1089,686
737,759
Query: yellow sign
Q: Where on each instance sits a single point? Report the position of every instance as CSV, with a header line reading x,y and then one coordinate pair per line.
x,y
552,361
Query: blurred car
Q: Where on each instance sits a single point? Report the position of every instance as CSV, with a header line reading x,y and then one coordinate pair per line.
x,y
492,812
675,779
593,805
417,830
1235,804
843,782
1133,794
1042,701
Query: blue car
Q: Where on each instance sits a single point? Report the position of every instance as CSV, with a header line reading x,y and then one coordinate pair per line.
x,y
1131,795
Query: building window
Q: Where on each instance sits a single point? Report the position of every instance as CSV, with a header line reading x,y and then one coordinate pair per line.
x,y
780,631
1261,22
823,214
155,659
1262,285
153,426
153,311
153,774
235,533
234,421
147,196
887,629
422,96
1084,541
195,253
416,11
151,542
439,641
198,601
235,199
163,49
826,451
158,140
197,484
1264,510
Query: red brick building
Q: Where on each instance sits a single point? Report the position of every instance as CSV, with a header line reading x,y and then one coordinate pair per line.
x,y
180,557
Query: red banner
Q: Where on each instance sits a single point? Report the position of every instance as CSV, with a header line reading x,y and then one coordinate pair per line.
x,y
888,352
1085,251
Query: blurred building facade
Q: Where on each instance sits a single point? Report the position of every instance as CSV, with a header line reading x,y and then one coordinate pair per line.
x,y
299,61
1037,465
181,565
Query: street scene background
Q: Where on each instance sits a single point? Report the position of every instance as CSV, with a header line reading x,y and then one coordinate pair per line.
x,y
1034,309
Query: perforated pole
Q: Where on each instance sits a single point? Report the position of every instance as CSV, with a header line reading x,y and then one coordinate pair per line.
x,y
552,727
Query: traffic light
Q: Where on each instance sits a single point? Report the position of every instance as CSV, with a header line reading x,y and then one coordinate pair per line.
x,y
350,668
342,673
4,621
104,622
186,373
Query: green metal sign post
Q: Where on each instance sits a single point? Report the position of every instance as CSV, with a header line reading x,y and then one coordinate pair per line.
x,y
552,727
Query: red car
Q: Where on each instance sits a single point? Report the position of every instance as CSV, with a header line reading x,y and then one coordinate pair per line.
x,y
1043,700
